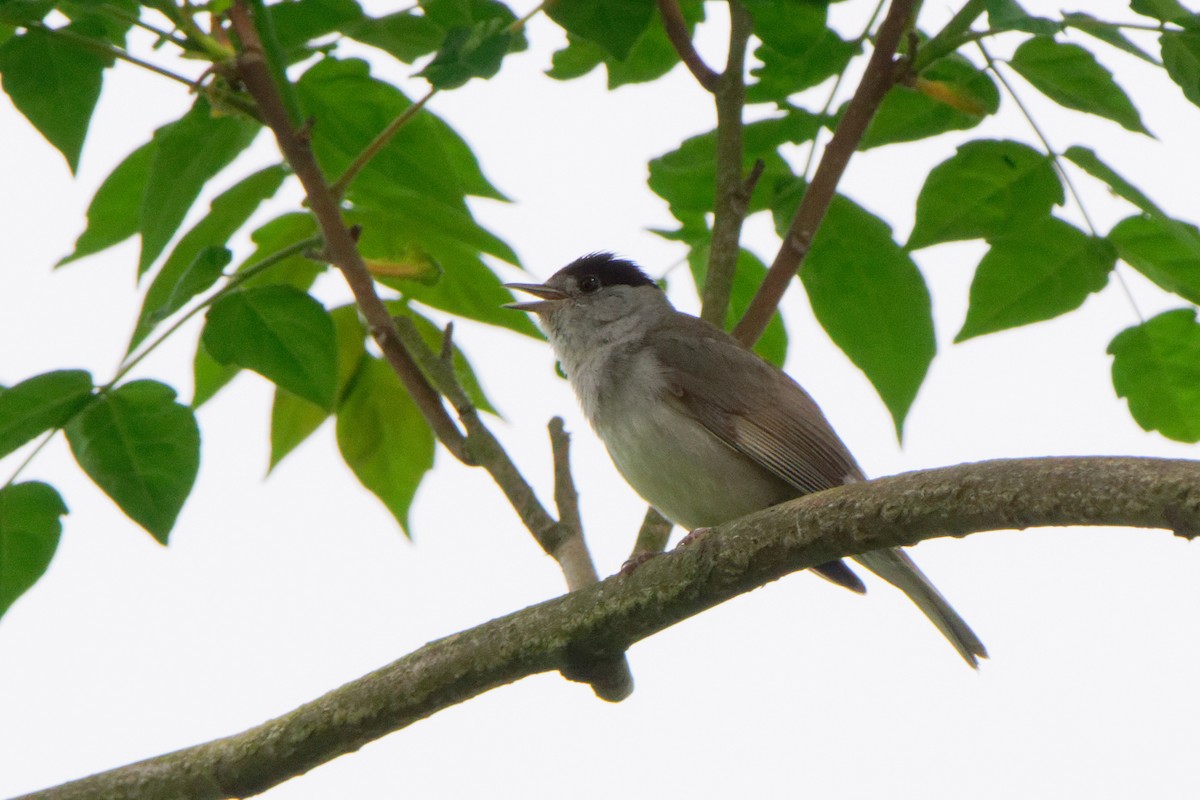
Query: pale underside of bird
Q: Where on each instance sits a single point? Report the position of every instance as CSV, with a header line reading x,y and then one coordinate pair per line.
x,y
701,427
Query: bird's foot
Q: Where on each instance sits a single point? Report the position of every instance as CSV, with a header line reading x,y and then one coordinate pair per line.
x,y
692,536
635,561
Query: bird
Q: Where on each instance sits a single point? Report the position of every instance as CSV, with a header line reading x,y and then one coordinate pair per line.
x,y
698,424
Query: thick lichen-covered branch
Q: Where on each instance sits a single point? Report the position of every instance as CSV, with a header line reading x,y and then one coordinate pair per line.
x,y
603,620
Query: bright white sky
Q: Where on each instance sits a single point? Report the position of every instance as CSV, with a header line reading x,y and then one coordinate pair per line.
x,y
273,592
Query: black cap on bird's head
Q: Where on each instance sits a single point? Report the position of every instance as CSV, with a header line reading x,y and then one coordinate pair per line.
x,y
583,276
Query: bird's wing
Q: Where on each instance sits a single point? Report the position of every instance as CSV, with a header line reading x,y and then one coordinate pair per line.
x,y
765,416
770,419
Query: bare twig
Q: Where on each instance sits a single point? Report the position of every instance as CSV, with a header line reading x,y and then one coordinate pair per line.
x,y
566,500
676,28
339,244
881,75
731,200
652,536
609,617
563,540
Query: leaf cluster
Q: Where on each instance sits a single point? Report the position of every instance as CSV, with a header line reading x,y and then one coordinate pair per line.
x,y
403,177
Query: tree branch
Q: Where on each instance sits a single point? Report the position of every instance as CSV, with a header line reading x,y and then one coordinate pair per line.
x,y
339,243
732,191
562,540
879,78
609,676
676,28
607,618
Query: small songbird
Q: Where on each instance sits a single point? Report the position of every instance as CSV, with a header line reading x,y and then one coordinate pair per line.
x,y
701,427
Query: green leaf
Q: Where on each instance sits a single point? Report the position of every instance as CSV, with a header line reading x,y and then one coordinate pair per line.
x,y
1164,11
986,189
1087,159
651,56
749,274
204,271
197,260
449,14
297,22
187,154
463,370
142,448
1038,274
1156,367
110,20
19,13
29,531
115,210
615,25
686,177
1165,250
1181,57
208,376
1107,33
272,237
467,287
786,72
41,403
294,419
55,83
351,108
404,35
383,437
871,299
474,52
1007,15
907,114
577,59
1070,76
282,334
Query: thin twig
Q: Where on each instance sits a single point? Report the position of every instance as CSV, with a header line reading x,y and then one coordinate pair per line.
x,y
837,84
731,201
106,49
562,540
566,496
949,38
880,76
676,27
652,536
339,244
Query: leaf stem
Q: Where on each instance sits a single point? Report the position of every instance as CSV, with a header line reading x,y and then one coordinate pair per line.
x,y
105,48
29,458
338,187
949,38
234,281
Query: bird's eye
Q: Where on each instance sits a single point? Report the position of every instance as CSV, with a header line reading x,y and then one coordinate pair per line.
x,y
589,284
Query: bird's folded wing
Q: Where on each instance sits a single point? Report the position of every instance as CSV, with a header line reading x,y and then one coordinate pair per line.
x,y
765,415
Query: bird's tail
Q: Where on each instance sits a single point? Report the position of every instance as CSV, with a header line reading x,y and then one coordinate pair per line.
x,y
895,567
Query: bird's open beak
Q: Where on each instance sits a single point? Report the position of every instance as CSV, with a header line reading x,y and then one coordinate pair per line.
x,y
551,297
